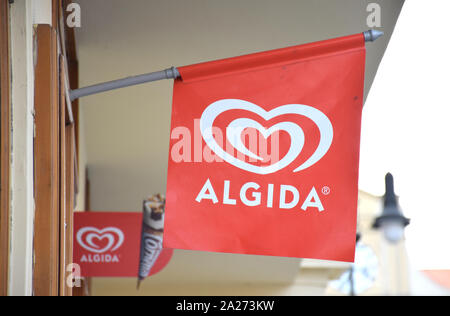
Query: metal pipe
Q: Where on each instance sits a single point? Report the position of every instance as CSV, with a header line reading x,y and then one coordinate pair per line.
x,y
171,73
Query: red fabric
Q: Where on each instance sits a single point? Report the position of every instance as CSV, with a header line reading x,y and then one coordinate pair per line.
x,y
327,76
98,258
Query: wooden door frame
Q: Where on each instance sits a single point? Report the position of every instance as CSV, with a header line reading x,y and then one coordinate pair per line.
x,y
46,156
5,146
55,157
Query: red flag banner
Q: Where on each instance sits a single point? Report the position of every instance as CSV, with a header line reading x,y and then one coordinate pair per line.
x,y
264,152
107,244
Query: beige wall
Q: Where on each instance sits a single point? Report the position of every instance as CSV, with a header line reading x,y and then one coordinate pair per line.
x,y
127,131
309,281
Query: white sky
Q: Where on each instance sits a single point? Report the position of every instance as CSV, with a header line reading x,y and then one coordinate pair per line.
x,y
406,129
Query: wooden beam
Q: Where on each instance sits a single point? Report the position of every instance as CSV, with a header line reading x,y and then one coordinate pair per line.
x,y
56,6
67,187
70,197
62,182
47,228
4,146
69,43
71,52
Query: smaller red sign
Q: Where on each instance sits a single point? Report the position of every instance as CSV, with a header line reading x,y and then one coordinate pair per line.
x,y
107,244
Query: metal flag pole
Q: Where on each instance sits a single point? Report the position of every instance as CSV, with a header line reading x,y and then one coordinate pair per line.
x,y
171,73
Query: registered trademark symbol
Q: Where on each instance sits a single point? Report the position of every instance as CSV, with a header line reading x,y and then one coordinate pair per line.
x,y
326,190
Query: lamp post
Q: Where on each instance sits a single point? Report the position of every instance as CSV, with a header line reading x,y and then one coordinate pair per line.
x,y
391,221
364,271
352,271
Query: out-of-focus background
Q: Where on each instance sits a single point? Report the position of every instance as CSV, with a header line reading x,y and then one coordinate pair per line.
x,y
124,135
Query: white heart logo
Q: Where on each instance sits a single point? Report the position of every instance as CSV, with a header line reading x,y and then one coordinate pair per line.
x,y
114,236
295,132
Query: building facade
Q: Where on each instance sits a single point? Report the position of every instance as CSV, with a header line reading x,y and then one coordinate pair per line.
x,y
48,142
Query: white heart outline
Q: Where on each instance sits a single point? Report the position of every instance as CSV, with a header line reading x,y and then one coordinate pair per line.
x,y
216,108
234,131
100,234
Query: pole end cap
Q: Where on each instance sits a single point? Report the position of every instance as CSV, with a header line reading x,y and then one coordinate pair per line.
x,y
372,35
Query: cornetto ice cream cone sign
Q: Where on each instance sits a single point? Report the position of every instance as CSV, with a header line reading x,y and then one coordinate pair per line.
x,y
264,152
152,234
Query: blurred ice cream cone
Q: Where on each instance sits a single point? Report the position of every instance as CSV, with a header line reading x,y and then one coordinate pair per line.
x,y
152,234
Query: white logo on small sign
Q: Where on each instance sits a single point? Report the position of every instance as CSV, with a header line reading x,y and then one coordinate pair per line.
x,y
113,236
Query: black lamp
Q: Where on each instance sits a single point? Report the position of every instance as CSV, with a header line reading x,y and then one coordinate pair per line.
x,y
391,222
